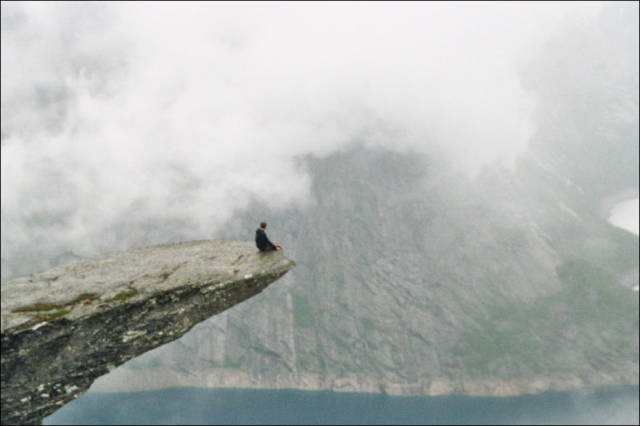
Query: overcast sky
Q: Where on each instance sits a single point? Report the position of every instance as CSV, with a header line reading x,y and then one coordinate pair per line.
x,y
185,112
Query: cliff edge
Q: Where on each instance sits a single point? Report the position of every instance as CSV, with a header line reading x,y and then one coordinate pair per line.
x,y
63,328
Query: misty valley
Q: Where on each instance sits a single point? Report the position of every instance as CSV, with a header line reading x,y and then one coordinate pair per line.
x,y
465,242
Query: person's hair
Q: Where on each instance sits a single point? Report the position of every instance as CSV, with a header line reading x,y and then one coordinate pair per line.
x,y
263,224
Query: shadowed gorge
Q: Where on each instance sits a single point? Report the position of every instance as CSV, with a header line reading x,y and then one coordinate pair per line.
x,y
63,328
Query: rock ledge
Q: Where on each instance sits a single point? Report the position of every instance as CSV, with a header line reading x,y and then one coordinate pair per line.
x,y
63,328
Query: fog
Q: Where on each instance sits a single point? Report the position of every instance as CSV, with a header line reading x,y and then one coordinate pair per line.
x,y
127,124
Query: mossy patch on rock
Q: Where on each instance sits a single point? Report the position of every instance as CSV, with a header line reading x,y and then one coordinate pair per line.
x,y
41,307
53,315
124,295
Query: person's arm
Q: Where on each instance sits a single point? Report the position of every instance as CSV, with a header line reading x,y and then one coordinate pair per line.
x,y
274,246
268,241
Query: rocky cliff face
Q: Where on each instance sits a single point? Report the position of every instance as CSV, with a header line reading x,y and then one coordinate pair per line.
x,y
63,328
412,281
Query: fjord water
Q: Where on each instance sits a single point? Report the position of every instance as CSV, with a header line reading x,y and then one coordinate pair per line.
x,y
610,405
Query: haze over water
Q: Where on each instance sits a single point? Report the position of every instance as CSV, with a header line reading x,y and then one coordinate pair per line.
x,y
616,405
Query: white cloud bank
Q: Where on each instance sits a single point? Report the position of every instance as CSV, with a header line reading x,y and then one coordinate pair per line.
x,y
181,113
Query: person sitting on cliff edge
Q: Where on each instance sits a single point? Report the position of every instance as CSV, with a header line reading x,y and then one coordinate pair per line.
x,y
262,241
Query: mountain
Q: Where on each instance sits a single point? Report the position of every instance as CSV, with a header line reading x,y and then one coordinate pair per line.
x,y
414,279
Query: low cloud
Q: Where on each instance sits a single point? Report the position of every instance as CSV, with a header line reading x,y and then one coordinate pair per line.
x,y
124,116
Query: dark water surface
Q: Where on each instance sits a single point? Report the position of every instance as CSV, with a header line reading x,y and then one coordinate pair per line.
x,y
611,405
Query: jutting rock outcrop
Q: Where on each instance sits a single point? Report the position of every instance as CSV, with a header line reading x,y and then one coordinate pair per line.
x,y
63,328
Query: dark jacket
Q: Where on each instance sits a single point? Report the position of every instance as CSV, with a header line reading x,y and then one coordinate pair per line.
x,y
262,241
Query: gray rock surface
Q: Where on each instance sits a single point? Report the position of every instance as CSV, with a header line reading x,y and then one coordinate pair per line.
x,y
63,328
